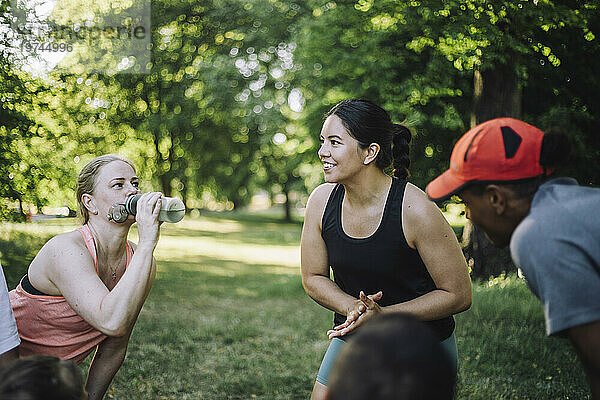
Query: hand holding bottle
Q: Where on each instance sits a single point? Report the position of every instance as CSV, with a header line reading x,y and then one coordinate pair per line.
x,y
171,208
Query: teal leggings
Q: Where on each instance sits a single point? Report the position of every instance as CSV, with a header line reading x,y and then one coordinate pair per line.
x,y
336,346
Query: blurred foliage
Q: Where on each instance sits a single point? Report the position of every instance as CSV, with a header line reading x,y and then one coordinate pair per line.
x,y
417,59
200,125
236,90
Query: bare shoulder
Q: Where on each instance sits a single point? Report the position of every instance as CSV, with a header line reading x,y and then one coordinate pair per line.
x,y
417,205
315,207
420,215
64,244
60,255
318,198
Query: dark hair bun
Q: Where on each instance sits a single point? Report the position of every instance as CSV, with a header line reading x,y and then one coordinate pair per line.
x,y
402,131
400,150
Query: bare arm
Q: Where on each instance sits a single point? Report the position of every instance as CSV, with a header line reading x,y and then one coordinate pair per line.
x,y
72,272
586,340
108,358
314,260
426,230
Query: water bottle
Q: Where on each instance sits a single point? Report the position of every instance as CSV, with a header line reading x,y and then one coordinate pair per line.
x,y
171,208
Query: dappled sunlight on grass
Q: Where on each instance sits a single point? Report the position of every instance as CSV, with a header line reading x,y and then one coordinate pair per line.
x,y
213,238
44,227
503,349
234,231
227,318
245,292
183,248
205,224
229,268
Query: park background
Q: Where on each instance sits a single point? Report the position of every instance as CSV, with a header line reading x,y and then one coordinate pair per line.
x,y
226,116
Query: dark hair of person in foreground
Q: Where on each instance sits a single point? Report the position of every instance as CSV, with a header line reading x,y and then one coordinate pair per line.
x,y
41,378
394,357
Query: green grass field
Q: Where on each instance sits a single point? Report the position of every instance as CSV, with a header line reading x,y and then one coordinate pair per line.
x,y
227,318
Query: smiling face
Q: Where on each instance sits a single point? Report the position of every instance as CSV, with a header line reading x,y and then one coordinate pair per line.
x,y
114,182
340,153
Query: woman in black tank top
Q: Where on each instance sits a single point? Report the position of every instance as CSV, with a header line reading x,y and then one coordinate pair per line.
x,y
389,247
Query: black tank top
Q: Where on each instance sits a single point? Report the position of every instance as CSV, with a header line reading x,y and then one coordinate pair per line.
x,y
383,261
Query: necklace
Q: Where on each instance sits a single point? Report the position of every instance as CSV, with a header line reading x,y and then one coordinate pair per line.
x,y
113,274
113,271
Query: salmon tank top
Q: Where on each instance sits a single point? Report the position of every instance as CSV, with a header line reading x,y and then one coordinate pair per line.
x,y
48,325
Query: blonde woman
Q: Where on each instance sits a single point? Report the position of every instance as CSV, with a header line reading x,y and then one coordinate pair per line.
x,y
84,289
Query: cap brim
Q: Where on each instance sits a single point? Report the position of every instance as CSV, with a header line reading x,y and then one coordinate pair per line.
x,y
444,186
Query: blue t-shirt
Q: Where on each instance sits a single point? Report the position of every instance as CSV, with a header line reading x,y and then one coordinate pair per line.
x,y
557,246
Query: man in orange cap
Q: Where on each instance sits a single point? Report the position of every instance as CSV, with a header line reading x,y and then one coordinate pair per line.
x,y
503,171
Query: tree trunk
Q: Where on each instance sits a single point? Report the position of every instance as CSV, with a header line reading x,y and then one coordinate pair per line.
x,y
184,193
286,205
22,214
496,94
165,184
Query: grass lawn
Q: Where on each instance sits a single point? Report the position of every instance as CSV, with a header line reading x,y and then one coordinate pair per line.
x,y
227,318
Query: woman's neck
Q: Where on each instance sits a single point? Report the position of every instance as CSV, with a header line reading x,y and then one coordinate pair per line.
x,y
367,188
110,238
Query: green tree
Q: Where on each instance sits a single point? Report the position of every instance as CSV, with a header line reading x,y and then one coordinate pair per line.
x,y
30,154
443,66
213,99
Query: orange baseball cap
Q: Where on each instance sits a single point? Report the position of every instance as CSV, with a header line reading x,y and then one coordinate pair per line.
x,y
501,149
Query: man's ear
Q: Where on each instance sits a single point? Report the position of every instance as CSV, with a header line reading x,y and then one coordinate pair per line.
x,y
89,203
372,152
497,197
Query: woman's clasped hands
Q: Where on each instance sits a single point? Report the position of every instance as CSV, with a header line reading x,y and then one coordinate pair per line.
x,y
363,309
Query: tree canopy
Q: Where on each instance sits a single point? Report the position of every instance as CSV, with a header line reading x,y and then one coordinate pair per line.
x,y
233,98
